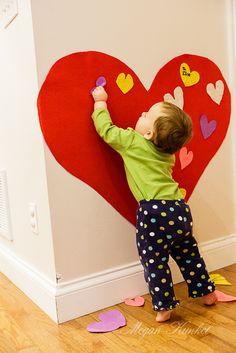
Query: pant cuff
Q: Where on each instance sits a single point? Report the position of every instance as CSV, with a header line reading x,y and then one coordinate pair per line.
x,y
200,292
159,306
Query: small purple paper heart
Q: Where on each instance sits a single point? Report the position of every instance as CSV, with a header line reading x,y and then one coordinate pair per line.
x,y
101,81
110,321
207,128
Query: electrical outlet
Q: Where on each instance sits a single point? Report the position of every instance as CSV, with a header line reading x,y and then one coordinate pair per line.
x,y
8,11
33,217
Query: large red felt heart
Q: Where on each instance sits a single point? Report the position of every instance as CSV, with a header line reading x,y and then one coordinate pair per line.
x,y
65,106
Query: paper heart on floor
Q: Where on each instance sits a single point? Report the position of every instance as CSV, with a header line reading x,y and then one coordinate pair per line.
x,y
137,301
110,321
222,297
65,106
218,279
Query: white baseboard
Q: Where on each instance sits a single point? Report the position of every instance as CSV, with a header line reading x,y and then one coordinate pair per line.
x,y
34,284
65,301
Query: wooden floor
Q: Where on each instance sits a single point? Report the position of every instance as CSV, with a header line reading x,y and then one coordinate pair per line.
x,y
24,328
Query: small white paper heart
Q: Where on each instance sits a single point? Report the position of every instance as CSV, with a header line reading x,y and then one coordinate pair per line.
x,y
216,91
178,98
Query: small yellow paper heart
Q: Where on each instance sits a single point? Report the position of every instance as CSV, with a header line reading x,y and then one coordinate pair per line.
x,y
124,83
183,191
218,279
188,77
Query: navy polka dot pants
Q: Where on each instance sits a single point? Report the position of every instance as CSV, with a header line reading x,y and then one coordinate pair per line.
x,y
164,227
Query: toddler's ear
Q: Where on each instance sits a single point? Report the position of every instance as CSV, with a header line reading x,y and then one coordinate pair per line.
x,y
149,135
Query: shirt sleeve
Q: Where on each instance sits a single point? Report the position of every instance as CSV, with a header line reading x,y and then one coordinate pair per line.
x,y
119,139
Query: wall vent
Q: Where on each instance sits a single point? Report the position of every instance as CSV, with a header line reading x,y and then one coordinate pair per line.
x,y
5,224
8,12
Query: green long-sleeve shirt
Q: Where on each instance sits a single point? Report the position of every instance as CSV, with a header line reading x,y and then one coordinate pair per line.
x,y
148,171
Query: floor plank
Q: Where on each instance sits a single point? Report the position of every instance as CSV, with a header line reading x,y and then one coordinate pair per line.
x,y
193,327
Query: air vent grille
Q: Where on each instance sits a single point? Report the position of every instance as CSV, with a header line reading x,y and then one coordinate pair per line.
x,y
5,228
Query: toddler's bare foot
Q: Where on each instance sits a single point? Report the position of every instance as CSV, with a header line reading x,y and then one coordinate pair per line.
x,y
210,299
163,315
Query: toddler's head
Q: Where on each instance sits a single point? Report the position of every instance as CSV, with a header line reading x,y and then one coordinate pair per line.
x,y
166,125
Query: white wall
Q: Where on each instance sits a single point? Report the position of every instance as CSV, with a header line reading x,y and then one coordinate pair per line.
x,y
145,35
21,147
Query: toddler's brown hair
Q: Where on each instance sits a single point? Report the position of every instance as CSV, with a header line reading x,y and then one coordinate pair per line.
x,y
173,129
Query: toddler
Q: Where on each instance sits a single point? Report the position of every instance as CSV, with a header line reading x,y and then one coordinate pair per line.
x,y
164,221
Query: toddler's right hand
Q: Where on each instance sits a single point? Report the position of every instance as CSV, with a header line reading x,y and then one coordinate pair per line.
x,y
99,94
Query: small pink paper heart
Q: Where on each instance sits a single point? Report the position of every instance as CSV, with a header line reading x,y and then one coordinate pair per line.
x,y
222,297
110,321
137,301
185,157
